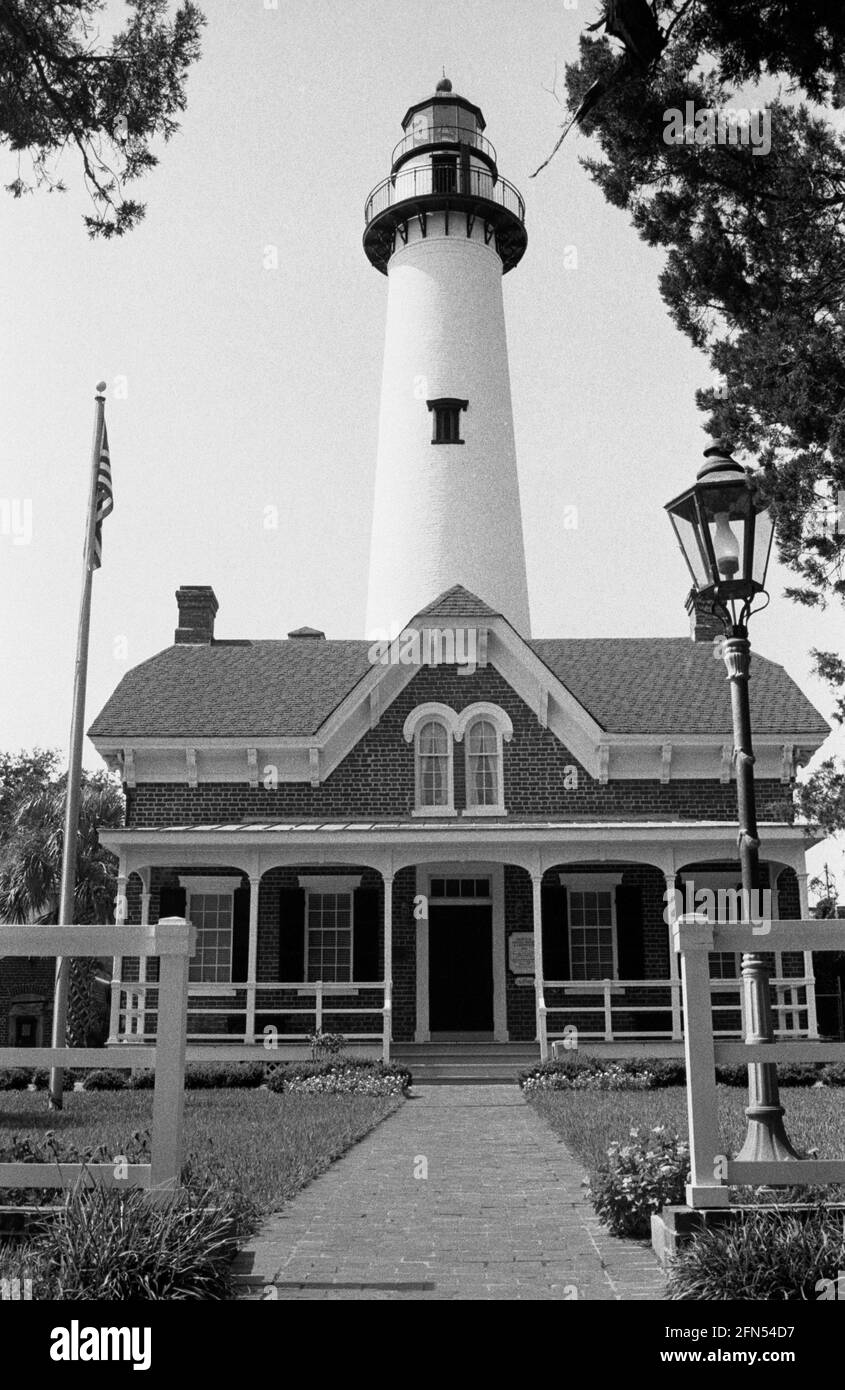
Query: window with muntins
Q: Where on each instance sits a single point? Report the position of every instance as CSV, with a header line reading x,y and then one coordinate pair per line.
x,y
484,764
329,936
447,420
211,914
434,750
591,934
459,888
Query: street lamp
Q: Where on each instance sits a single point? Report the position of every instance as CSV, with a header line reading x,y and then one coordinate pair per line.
x,y
725,533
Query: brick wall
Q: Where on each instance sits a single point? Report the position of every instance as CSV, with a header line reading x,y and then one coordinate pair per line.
x,y
21,975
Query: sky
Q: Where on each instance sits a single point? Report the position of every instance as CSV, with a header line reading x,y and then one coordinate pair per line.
x,y
240,332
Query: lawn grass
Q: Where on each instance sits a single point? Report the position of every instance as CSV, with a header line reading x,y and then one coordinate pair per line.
x,y
266,1146
588,1121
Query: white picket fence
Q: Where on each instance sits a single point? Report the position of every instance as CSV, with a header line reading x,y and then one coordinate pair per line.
x,y
173,940
712,1174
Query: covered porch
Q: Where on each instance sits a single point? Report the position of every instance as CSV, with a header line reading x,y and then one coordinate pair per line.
x,y
425,933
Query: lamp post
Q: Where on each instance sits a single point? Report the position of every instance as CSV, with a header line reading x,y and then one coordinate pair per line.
x,y
725,531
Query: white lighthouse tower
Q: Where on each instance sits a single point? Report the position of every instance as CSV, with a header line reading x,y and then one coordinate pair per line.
x,y
445,227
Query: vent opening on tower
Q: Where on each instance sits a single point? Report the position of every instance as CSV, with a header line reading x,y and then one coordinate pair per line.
x,y
447,419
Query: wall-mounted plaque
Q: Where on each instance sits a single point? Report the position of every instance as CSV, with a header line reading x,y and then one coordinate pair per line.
x,y
521,953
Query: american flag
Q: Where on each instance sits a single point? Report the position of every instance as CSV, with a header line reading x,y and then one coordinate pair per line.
x,y
105,498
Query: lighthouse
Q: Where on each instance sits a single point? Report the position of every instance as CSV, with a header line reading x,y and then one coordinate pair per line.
x,y
445,227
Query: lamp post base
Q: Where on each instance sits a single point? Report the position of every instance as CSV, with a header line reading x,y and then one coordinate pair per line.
x,y
766,1140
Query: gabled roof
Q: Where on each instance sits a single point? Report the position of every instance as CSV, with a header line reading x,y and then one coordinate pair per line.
x,y
289,688
458,602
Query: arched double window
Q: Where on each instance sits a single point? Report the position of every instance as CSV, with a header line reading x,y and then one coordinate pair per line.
x,y
434,729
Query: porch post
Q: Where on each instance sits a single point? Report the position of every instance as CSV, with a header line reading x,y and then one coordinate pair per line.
x,y
252,957
809,968
674,964
142,961
540,998
117,962
388,965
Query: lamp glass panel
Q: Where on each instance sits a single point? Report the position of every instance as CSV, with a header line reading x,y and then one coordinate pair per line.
x,y
726,509
686,527
763,531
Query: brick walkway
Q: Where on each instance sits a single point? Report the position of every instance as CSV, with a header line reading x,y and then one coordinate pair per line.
x,y
501,1215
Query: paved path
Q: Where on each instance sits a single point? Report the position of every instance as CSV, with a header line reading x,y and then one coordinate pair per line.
x,y
501,1215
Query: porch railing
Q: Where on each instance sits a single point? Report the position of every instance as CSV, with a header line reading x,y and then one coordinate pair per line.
x,y
131,1009
613,1000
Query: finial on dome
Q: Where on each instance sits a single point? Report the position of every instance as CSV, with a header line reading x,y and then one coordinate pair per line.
x,y
444,85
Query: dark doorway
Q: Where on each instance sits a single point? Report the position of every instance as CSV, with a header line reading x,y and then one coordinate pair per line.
x,y
444,174
25,1031
460,968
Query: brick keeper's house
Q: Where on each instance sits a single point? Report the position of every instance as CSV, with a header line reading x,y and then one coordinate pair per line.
x,y
459,842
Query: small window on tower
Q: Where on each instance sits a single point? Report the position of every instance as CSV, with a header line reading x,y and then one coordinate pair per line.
x,y
447,420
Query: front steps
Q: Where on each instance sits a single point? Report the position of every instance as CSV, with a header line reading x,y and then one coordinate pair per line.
x,y
458,1063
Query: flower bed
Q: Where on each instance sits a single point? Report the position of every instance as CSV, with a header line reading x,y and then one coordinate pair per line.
x,y
346,1076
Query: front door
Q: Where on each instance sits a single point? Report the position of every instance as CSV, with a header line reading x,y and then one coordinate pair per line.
x,y
460,968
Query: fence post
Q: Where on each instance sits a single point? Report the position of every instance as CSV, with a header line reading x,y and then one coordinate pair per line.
x,y
174,940
693,938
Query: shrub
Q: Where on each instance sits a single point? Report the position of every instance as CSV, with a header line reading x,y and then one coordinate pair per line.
x,y
603,1074
142,1080
611,1078
789,1074
214,1075
105,1244
638,1179
326,1045
105,1079
833,1074
15,1079
763,1256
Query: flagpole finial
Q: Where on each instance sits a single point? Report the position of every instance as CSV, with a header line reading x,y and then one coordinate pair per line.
x,y
101,386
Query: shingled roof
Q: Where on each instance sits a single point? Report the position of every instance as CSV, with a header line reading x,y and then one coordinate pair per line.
x,y
629,685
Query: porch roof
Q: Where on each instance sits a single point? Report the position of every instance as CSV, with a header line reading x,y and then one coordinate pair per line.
x,y
449,827
535,844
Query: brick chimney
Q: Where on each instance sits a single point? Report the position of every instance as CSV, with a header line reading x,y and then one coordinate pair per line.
x,y
197,608
704,624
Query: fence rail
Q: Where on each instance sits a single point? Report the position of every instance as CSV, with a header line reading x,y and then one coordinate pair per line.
x,y
173,941
712,1173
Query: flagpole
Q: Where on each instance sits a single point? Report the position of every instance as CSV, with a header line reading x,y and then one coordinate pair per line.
x,y
74,772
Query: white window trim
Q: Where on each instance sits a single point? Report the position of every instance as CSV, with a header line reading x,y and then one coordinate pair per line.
x,y
593,883
423,714
222,886
504,733
329,883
